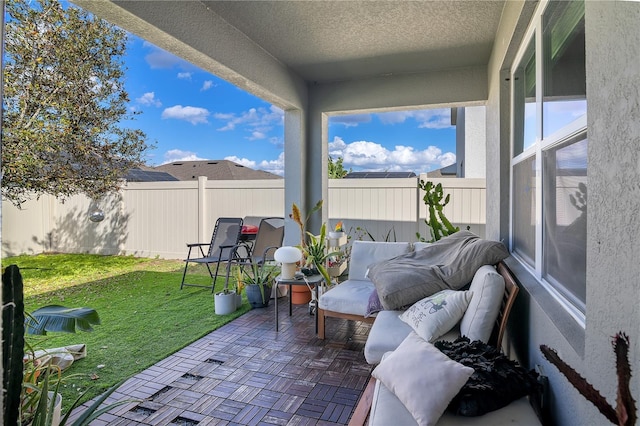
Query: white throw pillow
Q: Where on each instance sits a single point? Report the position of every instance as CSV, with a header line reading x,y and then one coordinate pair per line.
x,y
488,290
435,315
424,379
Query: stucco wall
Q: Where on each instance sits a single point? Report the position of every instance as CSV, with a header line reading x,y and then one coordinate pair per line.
x,y
613,247
475,136
613,238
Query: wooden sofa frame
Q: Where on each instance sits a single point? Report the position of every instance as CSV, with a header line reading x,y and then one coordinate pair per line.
x,y
511,289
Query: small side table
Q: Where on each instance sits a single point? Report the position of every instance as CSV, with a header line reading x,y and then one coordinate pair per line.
x,y
312,280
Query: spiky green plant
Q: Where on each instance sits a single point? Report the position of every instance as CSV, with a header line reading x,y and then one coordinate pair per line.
x,y
438,224
624,414
261,276
315,252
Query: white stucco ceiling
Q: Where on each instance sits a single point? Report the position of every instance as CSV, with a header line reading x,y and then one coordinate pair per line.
x,y
342,40
323,40
275,49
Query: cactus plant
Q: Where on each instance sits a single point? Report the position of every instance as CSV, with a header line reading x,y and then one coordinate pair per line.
x,y
624,414
437,222
12,341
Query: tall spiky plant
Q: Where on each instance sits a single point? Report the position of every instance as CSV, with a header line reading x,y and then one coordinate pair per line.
x,y
297,218
624,414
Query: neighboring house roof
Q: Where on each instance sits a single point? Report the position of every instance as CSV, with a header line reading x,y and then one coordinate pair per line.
x,y
148,174
449,171
378,175
214,170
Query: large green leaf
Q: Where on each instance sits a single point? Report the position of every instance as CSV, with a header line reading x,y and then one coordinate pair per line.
x,y
59,318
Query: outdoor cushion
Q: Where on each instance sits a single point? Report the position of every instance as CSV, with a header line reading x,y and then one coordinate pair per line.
x,y
423,378
449,263
386,409
435,315
363,253
349,297
388,331
249,229
488,290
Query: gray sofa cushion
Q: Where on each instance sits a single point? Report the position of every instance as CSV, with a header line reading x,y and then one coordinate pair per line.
x,y
448,263
349,297
363,253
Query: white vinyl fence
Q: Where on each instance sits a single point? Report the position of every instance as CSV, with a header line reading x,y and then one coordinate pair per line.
x,y
159,218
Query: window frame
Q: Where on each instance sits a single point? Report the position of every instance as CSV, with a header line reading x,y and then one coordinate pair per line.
x,y
574,129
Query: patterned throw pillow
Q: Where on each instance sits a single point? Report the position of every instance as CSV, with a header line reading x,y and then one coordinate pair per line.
x,y
435,315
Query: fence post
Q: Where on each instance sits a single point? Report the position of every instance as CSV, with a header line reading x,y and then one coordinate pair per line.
x,y
202,209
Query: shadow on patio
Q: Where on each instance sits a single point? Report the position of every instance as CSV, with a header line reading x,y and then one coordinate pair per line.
x,y
246,373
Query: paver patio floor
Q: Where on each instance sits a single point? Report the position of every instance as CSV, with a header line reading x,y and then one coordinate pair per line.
x,y
246,373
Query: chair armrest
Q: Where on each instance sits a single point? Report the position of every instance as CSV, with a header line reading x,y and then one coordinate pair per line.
x,y
267,250
197,244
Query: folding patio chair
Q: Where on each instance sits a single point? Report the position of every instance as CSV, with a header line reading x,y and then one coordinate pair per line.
x,y
222,248
268,239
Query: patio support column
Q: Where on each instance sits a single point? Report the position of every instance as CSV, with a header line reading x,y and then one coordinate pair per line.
x,y
294,161
316,166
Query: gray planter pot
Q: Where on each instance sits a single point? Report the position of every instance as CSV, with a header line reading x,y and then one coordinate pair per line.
x,y
254,296
225,303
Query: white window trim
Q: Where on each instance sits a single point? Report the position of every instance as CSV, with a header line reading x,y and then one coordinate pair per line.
x,y
567,132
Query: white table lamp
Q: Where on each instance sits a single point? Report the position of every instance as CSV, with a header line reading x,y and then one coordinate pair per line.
x,y
288,256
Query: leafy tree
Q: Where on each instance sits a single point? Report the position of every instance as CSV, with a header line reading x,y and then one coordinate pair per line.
x,y
337,170
64,100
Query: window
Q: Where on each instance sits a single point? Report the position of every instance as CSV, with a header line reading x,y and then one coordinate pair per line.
x,y
565,218
565,91
549,147
525,93
524,210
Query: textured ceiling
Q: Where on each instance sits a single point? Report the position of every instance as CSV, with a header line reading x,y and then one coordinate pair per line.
x,y
343,40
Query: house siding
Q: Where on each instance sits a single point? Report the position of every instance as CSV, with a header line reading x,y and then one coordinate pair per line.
x,y
613,230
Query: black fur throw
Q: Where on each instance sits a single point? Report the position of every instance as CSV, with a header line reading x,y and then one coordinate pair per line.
x,y
496,382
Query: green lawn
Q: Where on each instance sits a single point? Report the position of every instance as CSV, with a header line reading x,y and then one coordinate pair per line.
x,y
144,315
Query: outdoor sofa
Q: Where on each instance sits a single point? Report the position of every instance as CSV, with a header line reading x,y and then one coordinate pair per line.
x,y
384,287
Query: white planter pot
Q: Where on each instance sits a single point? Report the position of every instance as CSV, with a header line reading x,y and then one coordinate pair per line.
x,y
57,409
225,303
336,235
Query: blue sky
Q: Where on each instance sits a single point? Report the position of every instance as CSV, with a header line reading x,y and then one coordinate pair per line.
x,y
190,114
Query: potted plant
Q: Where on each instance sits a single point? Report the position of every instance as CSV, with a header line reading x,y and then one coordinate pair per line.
x,y
257,281
225,302
338,232
239,287
314,251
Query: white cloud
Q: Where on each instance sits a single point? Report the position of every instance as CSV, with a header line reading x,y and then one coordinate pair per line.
x,y
208,84
426,119
371,156
184,75
180,155
273,166
193,115
149,98
256,135
159,58
244,161
350,120
258,119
